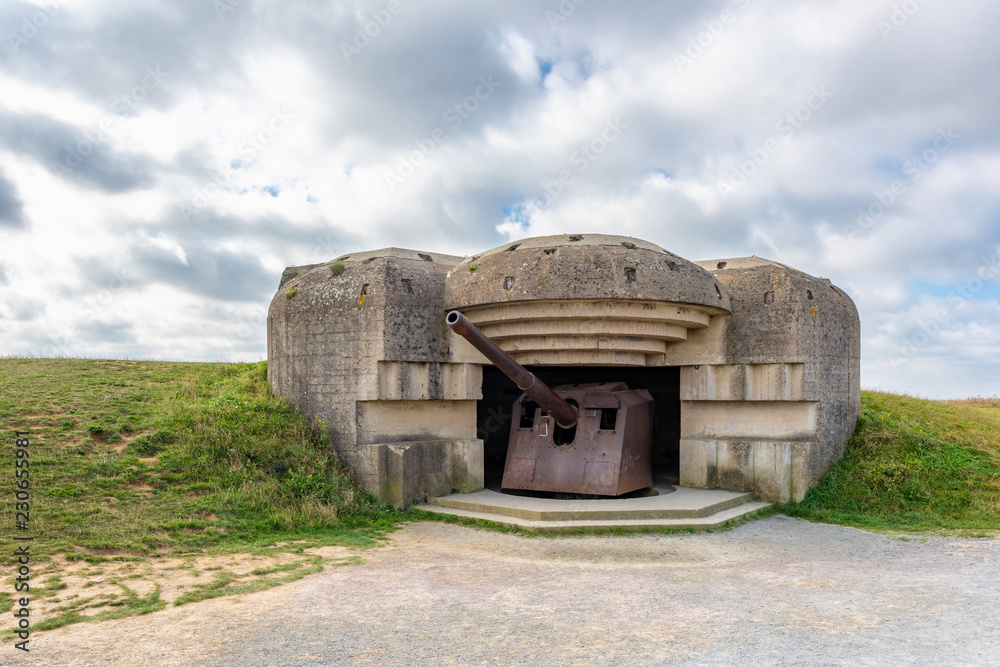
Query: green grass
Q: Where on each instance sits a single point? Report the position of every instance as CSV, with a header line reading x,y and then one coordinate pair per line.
x,y
915,465
228,583
132,461
139,459
128,604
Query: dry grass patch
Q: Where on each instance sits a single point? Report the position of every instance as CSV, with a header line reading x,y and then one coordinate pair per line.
x,y
72,591
977,402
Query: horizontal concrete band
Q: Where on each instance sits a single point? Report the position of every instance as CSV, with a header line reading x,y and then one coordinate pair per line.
x,y
503,332
590,343
684,315
744,382
752,420
408,421
415,381
584,358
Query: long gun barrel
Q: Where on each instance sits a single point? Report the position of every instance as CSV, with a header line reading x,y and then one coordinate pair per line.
x,y
564,413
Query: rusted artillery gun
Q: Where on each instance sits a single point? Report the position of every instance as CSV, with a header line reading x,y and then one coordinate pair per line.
x,y
580,438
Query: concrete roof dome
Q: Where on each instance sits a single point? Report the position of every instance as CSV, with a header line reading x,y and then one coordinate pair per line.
x,y
584,298
582,266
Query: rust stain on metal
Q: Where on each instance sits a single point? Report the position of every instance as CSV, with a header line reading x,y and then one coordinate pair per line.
x,y
607,453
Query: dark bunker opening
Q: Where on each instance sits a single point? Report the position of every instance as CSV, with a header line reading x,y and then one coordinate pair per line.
x,y
493,418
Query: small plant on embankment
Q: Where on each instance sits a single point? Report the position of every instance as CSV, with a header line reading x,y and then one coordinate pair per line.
x,y
915,465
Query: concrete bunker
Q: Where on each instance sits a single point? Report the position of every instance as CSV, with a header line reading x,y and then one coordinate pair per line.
x,y
755,364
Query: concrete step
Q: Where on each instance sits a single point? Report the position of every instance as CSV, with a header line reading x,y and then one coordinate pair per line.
x,y
676,508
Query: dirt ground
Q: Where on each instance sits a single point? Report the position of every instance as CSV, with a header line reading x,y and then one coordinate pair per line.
x,y
776,591
62,586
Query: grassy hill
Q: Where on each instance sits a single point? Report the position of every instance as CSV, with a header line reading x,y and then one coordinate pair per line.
x,y
154,457
134,464
915,465
156,482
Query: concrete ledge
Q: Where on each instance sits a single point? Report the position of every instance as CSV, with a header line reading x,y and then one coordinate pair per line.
x,y
414,421
716,520
682,503
750,420
744,382
415,381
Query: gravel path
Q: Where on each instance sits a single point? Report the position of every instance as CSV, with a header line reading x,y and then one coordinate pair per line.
x,y
777,591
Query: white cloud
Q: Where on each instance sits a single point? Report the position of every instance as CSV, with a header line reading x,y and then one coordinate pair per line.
x,y
520,56
111,255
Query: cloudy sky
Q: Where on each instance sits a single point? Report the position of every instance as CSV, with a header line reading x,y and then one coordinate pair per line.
x,y
162,162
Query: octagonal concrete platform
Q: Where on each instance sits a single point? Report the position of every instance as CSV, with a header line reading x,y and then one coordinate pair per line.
x,y
677,508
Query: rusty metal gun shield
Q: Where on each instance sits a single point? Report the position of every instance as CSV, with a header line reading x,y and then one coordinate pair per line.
x,y
608,452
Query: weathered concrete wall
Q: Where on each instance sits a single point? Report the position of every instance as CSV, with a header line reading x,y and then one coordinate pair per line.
x,y
791,344
363,354
769,356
